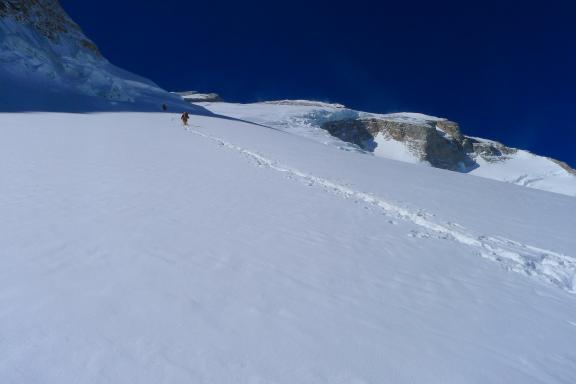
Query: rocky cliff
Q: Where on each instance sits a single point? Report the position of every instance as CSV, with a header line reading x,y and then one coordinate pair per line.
x,y
48,18
438,142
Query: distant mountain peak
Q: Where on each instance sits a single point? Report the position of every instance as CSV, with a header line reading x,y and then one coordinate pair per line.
x,y
45,57
48,18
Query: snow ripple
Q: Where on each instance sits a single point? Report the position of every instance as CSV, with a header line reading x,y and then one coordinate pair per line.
x,y
542,264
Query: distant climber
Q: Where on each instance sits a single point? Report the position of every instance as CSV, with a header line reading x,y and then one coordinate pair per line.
x,y
185,118
164,107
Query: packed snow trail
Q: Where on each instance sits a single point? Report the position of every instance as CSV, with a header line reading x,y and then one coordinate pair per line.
x,y
132,251
548,265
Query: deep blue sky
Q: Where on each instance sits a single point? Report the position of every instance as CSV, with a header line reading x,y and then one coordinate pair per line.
x,y
504,70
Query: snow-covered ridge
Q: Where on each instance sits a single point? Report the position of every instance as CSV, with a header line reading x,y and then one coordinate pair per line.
x,y
197,97
408,137
305,103
45,58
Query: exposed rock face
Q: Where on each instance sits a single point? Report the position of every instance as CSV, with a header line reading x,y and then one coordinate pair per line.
x,y
441,148
436,141
451,128
490,151
48,18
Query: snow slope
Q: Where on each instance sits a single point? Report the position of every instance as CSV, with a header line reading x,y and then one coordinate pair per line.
x,y
48,64
134,251
394,150
306,118
529,170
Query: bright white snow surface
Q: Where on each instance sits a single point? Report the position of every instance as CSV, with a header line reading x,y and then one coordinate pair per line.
x,y
306,117
394,150
134,251
526,169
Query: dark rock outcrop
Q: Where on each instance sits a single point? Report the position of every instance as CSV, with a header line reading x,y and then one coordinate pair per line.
x,y
48,18
490,151
438,142
451,128
442,148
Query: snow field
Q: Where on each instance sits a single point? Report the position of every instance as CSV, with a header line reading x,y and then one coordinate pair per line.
x,y
134,250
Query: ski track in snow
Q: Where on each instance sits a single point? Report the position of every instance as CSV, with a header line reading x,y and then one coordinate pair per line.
x,y
543,264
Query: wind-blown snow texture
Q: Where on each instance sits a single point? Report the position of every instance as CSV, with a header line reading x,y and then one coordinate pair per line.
x,y
306,118
134,251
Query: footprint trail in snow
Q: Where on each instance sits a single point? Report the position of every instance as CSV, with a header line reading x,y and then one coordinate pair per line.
x,y
543,264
